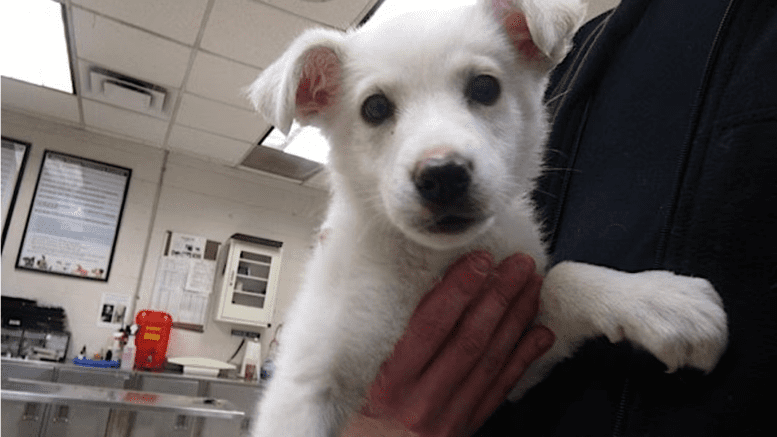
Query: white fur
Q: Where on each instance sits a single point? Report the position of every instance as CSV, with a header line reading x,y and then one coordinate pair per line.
x,y
378,259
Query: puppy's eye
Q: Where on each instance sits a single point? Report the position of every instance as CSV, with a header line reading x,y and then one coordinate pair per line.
x,y
376,109
483,89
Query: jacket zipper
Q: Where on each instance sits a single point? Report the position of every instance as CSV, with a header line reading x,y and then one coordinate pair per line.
x,y
690,136
619,423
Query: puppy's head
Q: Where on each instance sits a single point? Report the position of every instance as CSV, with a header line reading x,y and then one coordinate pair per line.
x,y
435,120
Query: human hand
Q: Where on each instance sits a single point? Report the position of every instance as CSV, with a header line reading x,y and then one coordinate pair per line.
x,y
465,347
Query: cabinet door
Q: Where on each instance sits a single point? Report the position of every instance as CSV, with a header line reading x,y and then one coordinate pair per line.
x,y
24,419
249,293
160,424
21,419
244,397
82,420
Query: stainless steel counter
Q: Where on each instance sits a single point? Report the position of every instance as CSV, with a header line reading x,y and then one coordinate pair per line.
x,y
51,392
23,369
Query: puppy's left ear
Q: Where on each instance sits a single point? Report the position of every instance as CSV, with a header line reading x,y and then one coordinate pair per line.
x,y
541,30
304,84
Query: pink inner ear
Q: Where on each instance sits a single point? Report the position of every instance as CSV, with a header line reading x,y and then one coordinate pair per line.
x,y
518,30
319,82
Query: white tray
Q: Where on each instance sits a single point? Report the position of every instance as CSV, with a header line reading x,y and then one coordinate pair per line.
x,y
200,365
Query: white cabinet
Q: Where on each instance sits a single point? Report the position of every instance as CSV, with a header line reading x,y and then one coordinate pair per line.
x,y
247,280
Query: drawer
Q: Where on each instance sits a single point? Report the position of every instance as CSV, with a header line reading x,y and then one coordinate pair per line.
x,y
93,377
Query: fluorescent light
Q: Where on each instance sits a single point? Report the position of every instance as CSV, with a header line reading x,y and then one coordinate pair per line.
x,y
307,142
33,43
275,139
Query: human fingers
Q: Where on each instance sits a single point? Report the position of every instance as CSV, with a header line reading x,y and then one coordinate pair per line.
x,y
468,344
532,346
431,324
496,369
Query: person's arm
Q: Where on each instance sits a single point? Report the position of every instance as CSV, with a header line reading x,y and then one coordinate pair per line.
x,y
465,347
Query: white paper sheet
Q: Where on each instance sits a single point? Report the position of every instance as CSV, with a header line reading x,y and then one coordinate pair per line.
x,y
184,280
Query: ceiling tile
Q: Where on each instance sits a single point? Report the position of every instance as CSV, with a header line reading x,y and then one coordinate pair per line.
x,y
220,79
221,119
128,50
337,13
132,124
40,100
250,32
320,180
193,141
176,19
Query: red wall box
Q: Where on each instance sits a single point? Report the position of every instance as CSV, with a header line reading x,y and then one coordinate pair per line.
x,y
151,339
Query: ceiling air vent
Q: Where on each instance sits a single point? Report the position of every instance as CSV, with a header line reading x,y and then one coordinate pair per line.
x,y
126,92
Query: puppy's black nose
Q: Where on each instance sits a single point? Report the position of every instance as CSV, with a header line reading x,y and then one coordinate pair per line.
x,y
442,181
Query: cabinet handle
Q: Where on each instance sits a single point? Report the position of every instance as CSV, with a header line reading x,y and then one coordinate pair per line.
x,y
30,413
245,424
62,412
181,422
232,279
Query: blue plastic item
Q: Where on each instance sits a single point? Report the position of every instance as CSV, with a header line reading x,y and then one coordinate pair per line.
x,y
96,363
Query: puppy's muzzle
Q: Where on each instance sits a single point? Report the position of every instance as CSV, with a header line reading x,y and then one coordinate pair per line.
x,y
444,185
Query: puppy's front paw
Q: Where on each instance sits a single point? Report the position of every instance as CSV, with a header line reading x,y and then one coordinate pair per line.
x,y
678,319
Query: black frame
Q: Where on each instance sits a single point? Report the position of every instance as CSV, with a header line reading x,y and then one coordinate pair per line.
x,y
46,155
19,176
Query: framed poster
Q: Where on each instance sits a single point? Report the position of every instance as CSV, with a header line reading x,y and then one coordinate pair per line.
x,y
14,158
74,217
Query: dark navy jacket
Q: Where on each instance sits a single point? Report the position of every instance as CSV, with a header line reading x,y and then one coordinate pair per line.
x,y
663,155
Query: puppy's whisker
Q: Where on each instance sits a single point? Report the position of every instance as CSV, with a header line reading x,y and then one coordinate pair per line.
x,y
556,97
546,193
561,169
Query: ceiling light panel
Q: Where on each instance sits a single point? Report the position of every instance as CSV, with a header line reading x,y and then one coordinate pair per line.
x,y
33,44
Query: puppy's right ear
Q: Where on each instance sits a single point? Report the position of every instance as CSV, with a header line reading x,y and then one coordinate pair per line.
x,y
304,83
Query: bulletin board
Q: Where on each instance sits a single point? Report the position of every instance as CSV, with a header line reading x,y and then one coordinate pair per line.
x,y
74,217
184,279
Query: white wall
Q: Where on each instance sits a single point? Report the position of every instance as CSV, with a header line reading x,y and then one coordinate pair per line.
x,y
596,7
216,202
195,197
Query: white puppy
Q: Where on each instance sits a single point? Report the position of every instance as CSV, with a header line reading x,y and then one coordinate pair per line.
x,y
437,129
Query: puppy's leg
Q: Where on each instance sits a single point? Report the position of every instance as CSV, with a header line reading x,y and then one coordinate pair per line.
x,y
678,319
331,351
292,408
315,389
